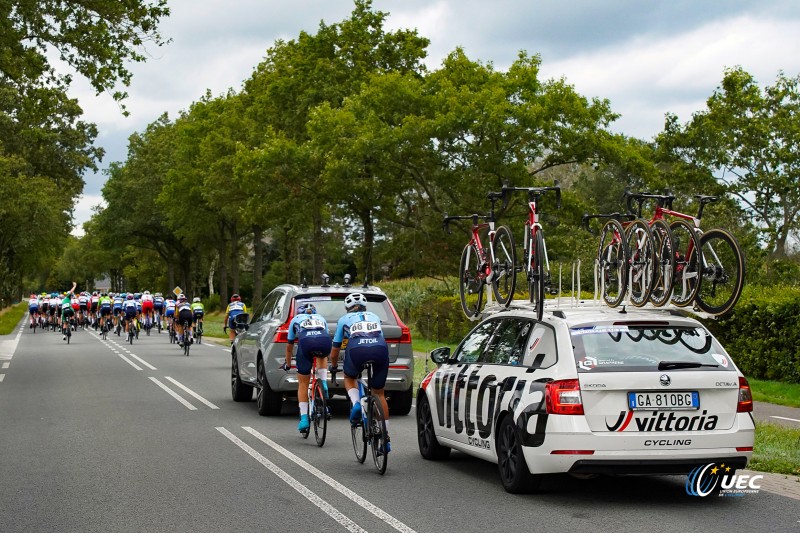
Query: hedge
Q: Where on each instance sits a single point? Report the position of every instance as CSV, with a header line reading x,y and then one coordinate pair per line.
x,y
762,333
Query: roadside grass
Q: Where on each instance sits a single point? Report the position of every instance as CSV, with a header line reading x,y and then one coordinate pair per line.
x,y
10,317
212,325
777,449
776,392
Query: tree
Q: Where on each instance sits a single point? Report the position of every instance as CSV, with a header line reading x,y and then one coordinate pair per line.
x,y
749,140
95,38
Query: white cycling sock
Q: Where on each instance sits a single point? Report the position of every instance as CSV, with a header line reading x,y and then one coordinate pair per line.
x,y
322,373
303,408
353,394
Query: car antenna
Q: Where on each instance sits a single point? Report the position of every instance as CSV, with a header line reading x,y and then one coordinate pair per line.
x,y
365,285
347,280
304,285
623,312
325,279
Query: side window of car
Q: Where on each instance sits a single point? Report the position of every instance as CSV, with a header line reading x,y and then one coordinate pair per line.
x,y
507,345
475,343
258,311
541,350
277,311
269,306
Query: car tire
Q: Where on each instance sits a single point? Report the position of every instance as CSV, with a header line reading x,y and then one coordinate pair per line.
x,y
239,391
269,402
429,447
400,402
511,464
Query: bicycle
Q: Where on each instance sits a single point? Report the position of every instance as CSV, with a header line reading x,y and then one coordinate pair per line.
x,y
710,268
318,411
627,256
534,251
476,269
371,429
187,339
130,333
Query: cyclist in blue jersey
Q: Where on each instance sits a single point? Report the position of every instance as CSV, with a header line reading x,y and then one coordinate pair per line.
x,y
236,307
365,342
310,330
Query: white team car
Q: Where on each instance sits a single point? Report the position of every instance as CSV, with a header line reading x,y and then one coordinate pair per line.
x,y
586,391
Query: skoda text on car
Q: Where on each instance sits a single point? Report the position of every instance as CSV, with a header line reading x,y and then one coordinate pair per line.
x,y
260,347
586,391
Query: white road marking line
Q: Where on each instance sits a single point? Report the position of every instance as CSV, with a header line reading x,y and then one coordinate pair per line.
x,y
134,365
174,394
5,365
145,363
784,418
2,377
377,511
190,391
296,485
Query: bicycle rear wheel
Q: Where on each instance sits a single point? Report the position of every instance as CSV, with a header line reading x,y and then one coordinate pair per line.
x,y
665,263
471,283
359,441
504,275
318,413
687,277
612,263
642,262
378,434
722,272
536,274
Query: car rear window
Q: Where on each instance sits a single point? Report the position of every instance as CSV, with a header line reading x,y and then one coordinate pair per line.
x,y
628,348
332,306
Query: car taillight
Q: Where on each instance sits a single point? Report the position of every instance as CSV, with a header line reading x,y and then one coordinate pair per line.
x,y
563,397
405,332
282,334
745,397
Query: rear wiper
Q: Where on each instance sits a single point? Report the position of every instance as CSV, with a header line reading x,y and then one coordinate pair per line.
x,y
669,365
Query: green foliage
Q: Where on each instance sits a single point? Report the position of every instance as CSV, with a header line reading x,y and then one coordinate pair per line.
x,y
212,303
442,320
762,333
777,449
410,296
10,317
776,392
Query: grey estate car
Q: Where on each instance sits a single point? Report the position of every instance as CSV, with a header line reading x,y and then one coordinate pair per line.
x,y
260,346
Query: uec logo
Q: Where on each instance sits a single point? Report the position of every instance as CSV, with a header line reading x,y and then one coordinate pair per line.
x,y
703,480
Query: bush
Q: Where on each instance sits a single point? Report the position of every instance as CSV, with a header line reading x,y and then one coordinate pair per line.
x,y
762,333
443,320
411,297
212,303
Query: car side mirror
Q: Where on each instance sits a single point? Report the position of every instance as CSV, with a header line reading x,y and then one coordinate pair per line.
x,y
241,320
440,355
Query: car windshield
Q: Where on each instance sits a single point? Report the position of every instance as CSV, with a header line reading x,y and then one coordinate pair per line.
x,y
625,348
332,306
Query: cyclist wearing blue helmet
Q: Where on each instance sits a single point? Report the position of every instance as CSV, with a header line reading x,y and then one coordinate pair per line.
x,y
310,330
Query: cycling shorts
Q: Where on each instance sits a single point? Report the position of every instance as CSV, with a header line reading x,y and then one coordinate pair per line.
x,y
308,346
170,312
130,313
67,313
185,316
33,309
76,306
93,307
83,307
51,310
147,306
105,311
359,353
198,315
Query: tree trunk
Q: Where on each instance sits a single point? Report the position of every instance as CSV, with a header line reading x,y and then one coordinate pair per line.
x,y
369,239
170,275
235,258
223,270
319,245
258,264
211,268
286,253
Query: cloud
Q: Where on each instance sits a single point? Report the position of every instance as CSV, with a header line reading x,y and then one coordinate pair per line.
x,y
84,210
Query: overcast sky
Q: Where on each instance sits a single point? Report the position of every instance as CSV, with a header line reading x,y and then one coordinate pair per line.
x,y
648,57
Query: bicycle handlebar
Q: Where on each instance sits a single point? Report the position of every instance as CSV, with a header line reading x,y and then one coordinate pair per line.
x,y
474,217
533,192
619,217
662,200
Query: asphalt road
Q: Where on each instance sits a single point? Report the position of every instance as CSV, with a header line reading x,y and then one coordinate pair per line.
x,y
102,436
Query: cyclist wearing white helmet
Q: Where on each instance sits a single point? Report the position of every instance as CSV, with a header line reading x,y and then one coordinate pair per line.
x,y
183,313
198,311
310,330
365,342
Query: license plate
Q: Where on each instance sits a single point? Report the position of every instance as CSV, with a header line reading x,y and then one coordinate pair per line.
x,y
663,401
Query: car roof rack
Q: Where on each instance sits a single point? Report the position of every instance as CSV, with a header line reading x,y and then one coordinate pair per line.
x,y
561,305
